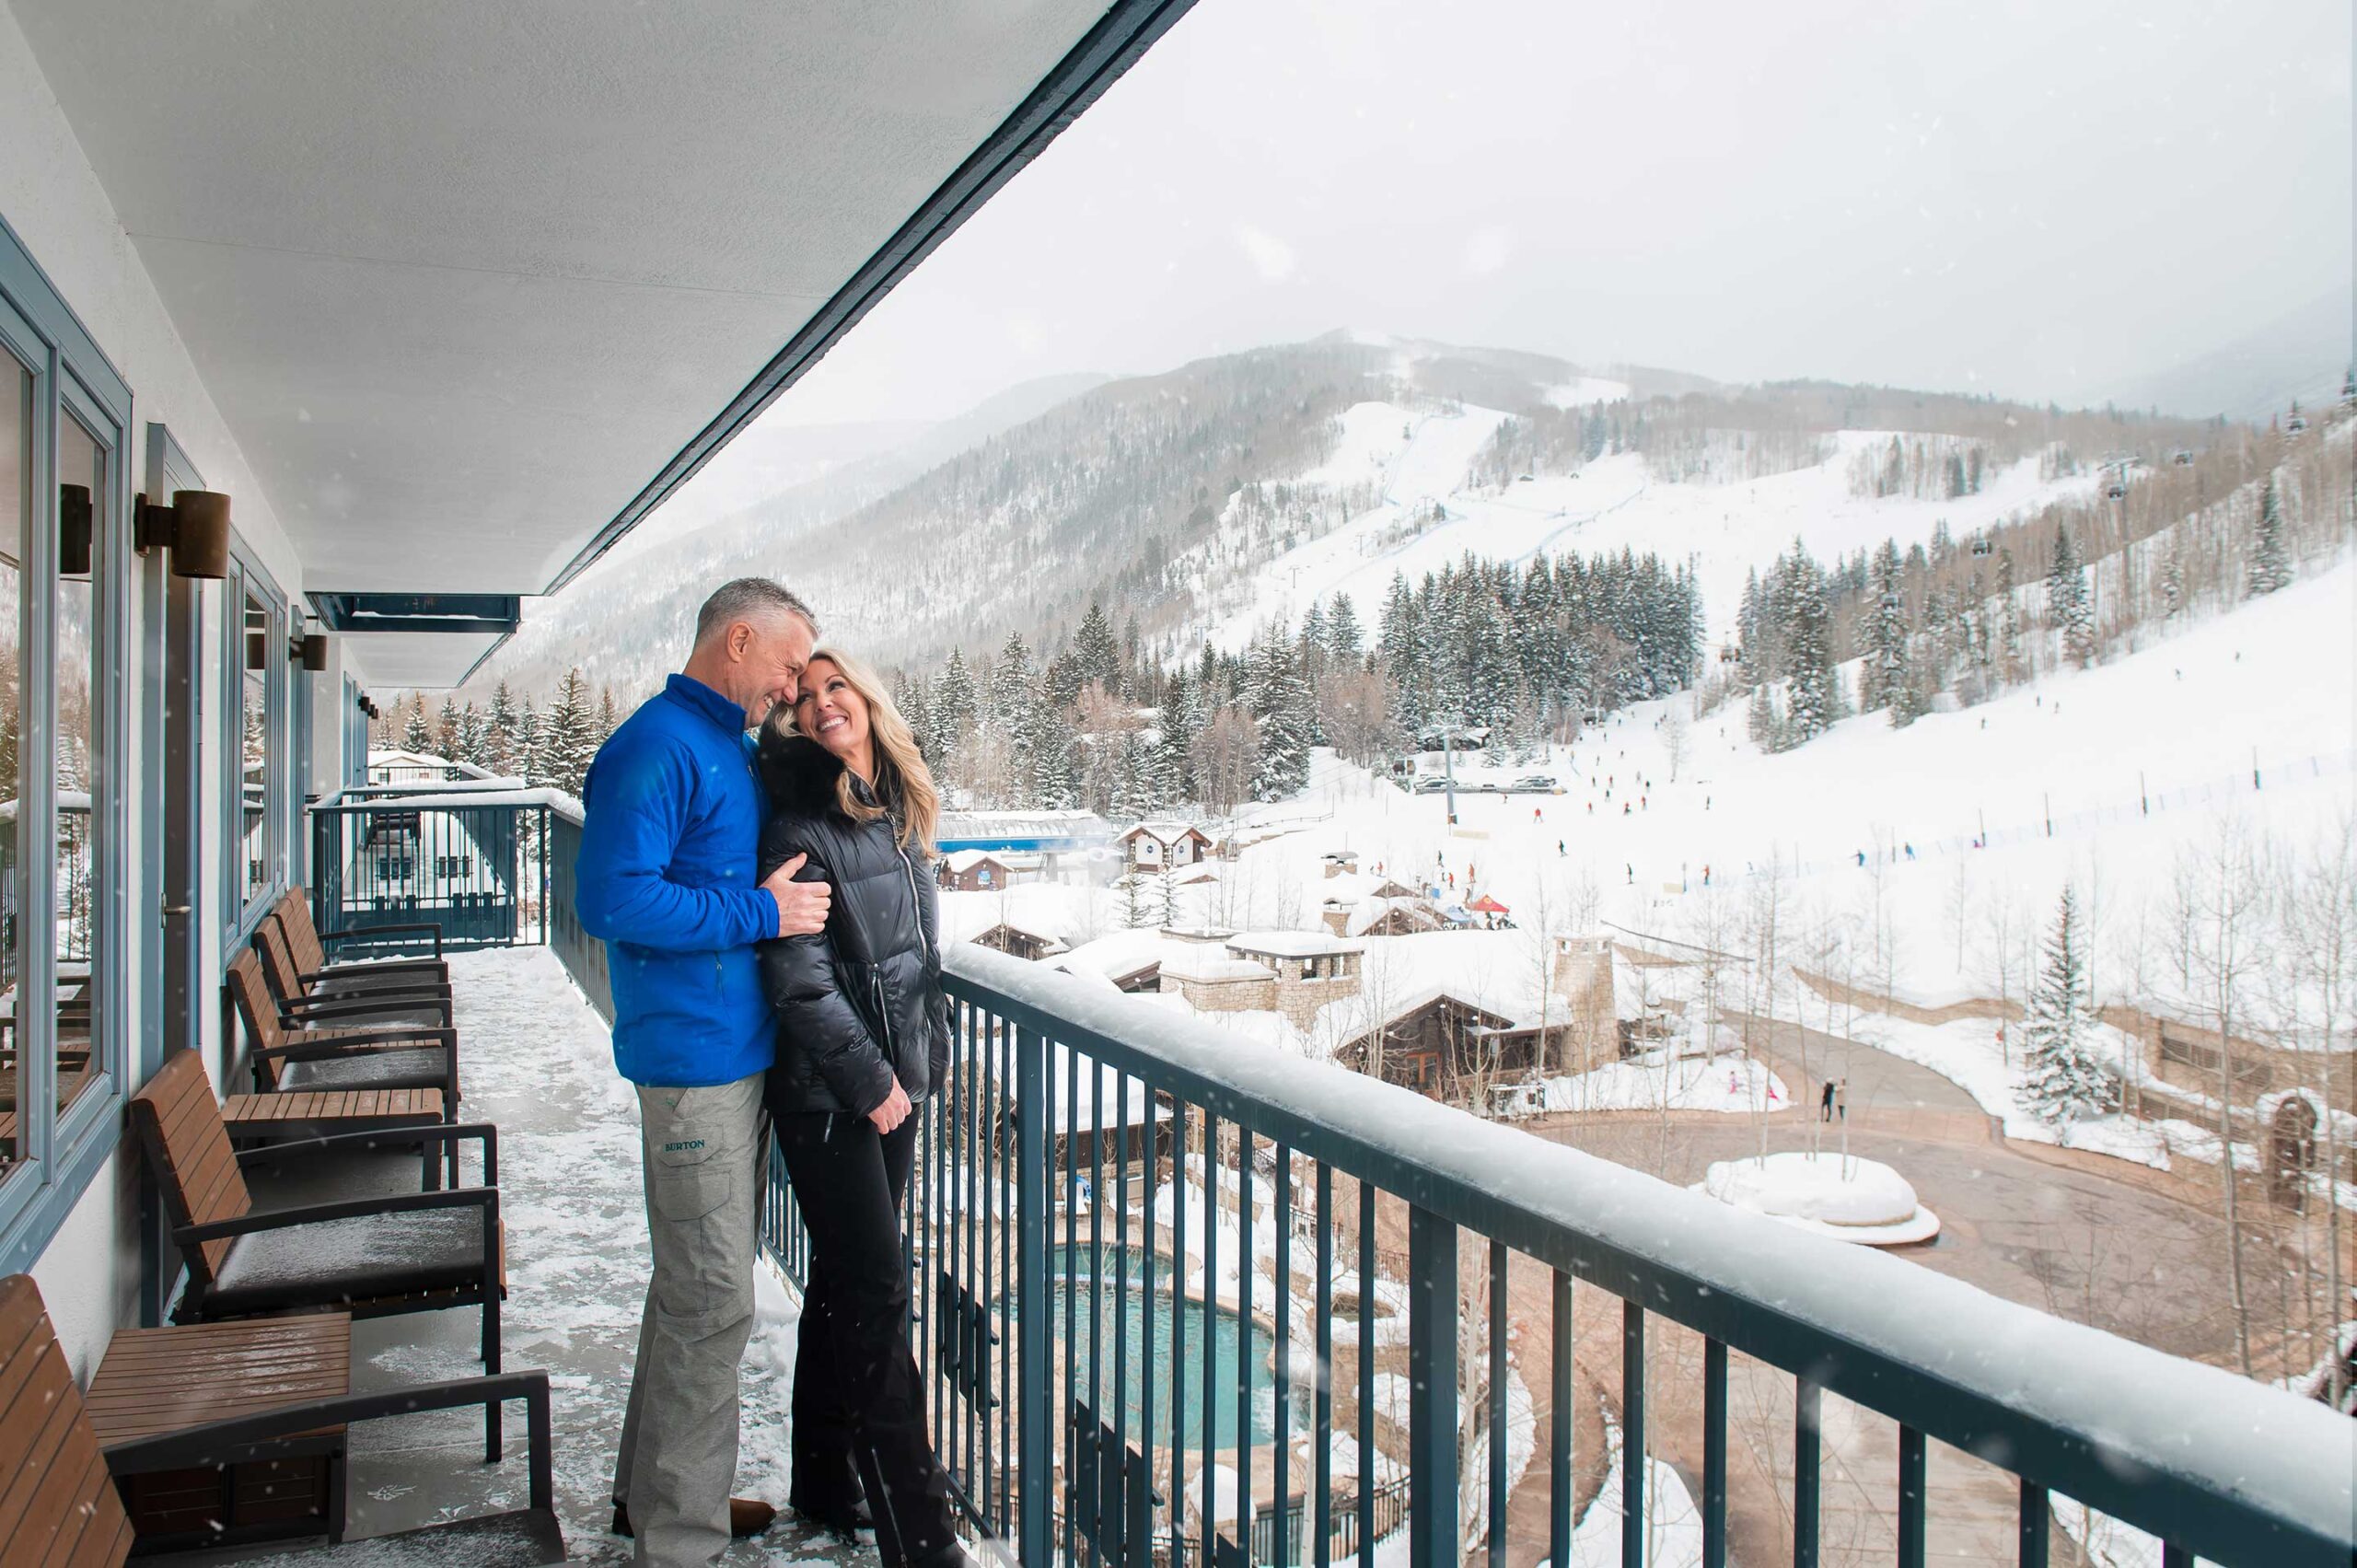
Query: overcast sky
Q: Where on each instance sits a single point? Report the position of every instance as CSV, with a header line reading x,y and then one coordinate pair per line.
x,y
2042,199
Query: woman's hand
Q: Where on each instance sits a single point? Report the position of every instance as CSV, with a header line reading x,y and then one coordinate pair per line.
x,y
893,1112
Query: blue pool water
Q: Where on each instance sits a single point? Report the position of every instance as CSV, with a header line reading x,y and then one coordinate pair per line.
x,y
1122,1309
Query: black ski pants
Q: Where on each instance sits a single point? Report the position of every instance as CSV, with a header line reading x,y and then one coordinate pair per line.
x,y
857,1394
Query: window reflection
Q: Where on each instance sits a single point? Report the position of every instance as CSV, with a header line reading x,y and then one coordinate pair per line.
x,y
15,478
254,753
81,464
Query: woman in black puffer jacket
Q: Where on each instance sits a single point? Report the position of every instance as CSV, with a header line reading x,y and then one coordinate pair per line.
x,y
863,1033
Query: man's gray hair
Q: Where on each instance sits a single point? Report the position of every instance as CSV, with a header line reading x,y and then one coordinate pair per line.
x,y
748,598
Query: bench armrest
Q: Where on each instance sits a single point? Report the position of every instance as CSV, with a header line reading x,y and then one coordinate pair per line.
x,y
307,1010
330,938
226,1441
425,1132
484,1198
391,1036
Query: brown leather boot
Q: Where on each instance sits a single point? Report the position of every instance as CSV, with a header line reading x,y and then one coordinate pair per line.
x,y
748,1516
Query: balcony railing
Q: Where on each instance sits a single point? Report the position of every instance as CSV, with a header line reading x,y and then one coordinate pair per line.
x,y
1112,1325
473,860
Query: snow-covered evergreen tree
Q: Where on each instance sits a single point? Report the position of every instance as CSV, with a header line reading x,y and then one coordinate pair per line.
x,y
1882,669
2069,604
1343,634
2270,560
2008,659
1812,700
2064,1079
1283,715
500,731
415,736
1096,655
569,741
446,729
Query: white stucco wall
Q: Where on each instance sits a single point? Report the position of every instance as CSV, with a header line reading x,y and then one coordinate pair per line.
x,y
51,197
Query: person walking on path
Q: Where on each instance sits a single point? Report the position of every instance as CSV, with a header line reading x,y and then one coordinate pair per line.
x,y
863,1038
1825,1102
667,877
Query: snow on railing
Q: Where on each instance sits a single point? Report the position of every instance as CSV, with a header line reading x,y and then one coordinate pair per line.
x,y
2212,1463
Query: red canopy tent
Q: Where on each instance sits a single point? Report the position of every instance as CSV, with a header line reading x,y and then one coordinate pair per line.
x,y
1487,905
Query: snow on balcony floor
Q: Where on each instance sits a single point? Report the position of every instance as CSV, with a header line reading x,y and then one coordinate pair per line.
x,y
537,1060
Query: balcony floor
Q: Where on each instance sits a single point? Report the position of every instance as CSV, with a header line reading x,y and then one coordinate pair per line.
x,y
537,1062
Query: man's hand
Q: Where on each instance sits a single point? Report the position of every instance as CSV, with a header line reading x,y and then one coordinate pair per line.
x,y
893,1112
801,906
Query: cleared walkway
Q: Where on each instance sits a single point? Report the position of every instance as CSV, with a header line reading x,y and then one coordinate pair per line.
x,y
537,1060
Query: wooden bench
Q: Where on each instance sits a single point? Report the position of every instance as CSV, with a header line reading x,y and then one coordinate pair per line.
x,y
60,1506
304,1055
371,1257
418,998
316,1111
155,1381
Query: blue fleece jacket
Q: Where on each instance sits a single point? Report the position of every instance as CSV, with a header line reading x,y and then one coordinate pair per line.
x,y
667,877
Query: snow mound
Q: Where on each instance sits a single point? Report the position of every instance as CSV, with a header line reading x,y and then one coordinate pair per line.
x,y
1854,1199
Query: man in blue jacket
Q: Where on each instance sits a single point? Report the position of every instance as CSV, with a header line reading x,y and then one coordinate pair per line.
x,y
667,877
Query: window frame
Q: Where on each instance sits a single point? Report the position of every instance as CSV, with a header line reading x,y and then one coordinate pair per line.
x,y
249,578
61,1152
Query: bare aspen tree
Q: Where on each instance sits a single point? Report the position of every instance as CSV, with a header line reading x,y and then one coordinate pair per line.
x,y
2217,899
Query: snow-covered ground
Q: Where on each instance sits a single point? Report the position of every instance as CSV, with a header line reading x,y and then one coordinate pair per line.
x,y
1826,1192
1417,461
1732,1084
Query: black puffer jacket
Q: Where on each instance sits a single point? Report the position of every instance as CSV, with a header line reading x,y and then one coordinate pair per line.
x,y
862,1000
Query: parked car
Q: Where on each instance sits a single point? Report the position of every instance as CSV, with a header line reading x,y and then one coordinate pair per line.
x,y
1535,781
1430,786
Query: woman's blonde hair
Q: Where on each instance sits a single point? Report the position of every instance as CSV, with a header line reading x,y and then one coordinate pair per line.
x,y
902,781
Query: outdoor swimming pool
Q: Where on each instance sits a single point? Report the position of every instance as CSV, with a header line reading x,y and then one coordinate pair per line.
x,y
1120,1306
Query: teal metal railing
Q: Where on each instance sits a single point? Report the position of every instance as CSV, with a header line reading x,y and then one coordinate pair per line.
x,y
1205,1179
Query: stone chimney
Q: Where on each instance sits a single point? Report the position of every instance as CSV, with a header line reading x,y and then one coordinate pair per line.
x,y
1584,976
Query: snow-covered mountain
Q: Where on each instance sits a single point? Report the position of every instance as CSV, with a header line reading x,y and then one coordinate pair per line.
x,y
1209,499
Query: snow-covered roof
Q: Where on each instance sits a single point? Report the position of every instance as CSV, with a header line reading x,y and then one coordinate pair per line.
x,y
1291,944
1166,834
1368,913
1188,961
981,827
1045,910
1117,955
1352,887
964,860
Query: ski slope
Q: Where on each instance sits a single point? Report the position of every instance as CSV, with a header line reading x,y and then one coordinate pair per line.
x,y
2132,761
1725,531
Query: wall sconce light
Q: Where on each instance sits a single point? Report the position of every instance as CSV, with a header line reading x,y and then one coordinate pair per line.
x,y
73,530
314,651
195,528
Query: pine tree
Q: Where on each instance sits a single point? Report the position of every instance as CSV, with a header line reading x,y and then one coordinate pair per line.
x,y
1882,673
1812,702
1096,655
608,719
474,737
500,732
2009,621
445,730
2064,1078
416,736
2067,602
2270,563
569,743
1016,716
1180,720
955,712
532,739
1342,635
1281,713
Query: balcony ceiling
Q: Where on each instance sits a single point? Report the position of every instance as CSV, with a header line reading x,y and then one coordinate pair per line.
x,y
465,278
